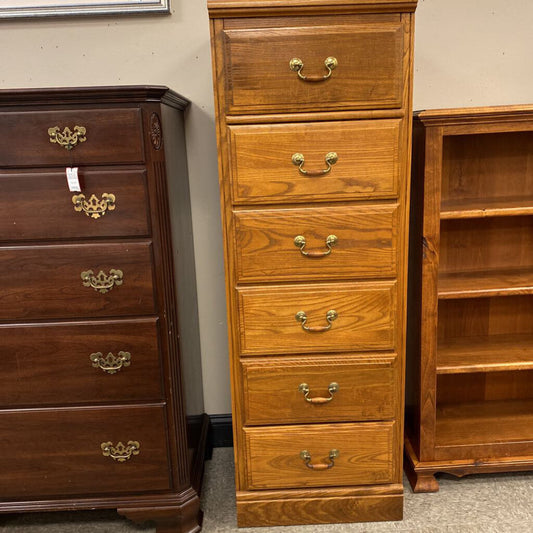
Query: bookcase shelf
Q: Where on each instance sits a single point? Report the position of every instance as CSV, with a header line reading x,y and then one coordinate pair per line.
x,y
490,207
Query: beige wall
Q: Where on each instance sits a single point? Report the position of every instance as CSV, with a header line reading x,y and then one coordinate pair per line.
x,y
468,52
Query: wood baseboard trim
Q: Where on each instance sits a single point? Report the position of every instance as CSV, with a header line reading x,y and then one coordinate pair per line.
x,y
220,431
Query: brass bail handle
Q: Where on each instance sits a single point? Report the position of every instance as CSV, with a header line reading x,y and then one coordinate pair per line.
x,y
102,282
301,316
297,65
306,457
330,158
67,139
300,242
94,207
332,389
120,452
110,363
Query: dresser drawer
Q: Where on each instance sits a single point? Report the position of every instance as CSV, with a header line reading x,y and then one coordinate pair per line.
x,y
369,51
59,451
360,241
39,205
365,455
323,389
365,318
46,281
64,364
111,136
367,161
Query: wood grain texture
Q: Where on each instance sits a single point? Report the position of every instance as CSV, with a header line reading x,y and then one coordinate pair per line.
x,y
367,167
365,455
367,389
73,463
368,75
38,205
366,318
45,281
35,355
366,244
112,137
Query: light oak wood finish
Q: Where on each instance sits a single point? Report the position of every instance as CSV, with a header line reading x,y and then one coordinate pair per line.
x,y
266,114
79,366
470,401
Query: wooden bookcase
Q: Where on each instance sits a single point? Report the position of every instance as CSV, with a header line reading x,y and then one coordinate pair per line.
x,y
469,401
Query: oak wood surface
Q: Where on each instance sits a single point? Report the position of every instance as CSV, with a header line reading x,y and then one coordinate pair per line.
x,y
39,205
368,163
487,207
72,463
35,355
45,281
366,318
112,137
366,245
365,455
367,387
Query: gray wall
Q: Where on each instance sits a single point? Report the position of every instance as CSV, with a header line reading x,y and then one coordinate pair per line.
x,y
468,53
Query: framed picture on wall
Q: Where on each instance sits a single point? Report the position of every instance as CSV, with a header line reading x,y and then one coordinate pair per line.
x,y
43,8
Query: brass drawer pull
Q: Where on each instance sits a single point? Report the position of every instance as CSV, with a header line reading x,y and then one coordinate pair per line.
x,y
306,457
93,207
67,139
297,65
300,242
102,282
110,363
332,389
298,159
331,315
120,453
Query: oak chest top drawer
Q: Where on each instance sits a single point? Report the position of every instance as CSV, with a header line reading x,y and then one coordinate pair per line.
x,y
80,362
76,280
71,137
320,243
38,205
321,389
316,161
59,451
320,317
313,63
277,458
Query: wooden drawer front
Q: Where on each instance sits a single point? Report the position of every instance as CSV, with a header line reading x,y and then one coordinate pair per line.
x,y
40,206
112,136
367,389
51,363
366,243
366,318
58,452
369,53
45,281
367,455
367,166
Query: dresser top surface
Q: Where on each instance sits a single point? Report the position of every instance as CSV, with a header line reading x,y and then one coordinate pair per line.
x,y
434,117
91,95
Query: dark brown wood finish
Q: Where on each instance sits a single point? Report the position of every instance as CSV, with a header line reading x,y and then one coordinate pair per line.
x,y
51,323
470,348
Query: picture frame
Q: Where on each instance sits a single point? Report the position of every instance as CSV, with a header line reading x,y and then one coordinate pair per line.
x,y
47,8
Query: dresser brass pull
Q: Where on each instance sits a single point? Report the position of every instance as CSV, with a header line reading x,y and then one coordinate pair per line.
x,y
300,242
120,452
67,139
297,65
298,159
306,457
93,207
102,282
332,389
331,315
110,363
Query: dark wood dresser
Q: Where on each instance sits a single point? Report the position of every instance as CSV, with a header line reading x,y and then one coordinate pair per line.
x,y
92,410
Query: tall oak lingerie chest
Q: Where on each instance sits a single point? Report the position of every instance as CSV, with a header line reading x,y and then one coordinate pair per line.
x,y
313,107
91,363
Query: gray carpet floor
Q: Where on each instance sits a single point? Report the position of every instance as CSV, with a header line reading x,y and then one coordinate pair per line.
x,y
500,503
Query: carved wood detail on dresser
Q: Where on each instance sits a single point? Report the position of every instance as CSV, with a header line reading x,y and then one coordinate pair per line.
x,y
92,405
313,104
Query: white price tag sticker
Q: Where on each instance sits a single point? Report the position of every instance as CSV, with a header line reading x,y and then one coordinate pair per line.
x,y
73,180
